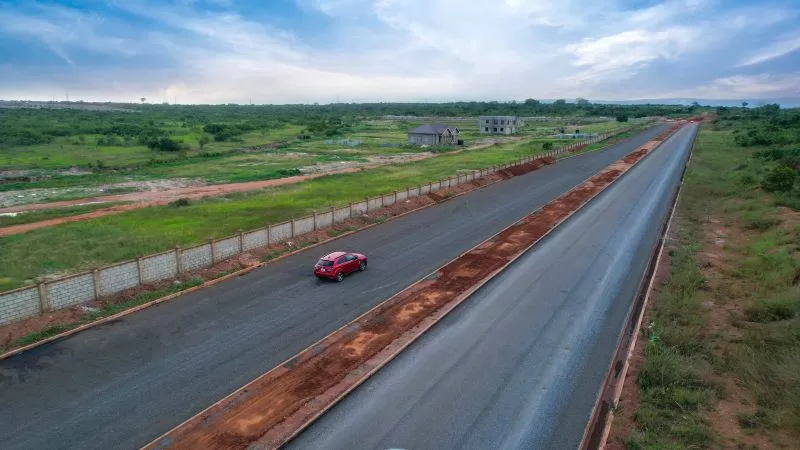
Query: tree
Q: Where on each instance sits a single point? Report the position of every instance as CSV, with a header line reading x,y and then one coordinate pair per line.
x,y
202,140
744,104
582,101
143,99
560,102
532,102
622,118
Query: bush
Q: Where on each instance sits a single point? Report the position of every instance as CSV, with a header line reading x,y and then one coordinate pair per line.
x,y
227,134
779,179
289,172
547,146
214,128
164,144
181,202
772,310
747,180
770,154
761,223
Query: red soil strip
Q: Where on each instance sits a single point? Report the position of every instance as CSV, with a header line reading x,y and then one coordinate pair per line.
x,y
276,406
22,228
579,148
164,197
522,169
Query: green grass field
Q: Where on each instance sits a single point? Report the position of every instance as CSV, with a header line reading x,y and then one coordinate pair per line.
x,y
219,164
75,246
83,150
755,342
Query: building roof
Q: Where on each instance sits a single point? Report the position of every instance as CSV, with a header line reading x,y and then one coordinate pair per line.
x,y
433,128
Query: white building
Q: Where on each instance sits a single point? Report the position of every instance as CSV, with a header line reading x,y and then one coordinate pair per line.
x,y
499,124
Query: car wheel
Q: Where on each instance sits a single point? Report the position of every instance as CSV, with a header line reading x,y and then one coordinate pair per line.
x,y
362,266
340,276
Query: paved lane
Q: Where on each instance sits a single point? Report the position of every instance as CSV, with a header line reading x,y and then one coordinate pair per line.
x,y
519,364
122,384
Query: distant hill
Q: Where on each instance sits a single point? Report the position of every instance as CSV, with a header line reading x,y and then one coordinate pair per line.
x,y
784,102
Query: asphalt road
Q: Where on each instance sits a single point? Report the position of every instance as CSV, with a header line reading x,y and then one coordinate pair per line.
x,y
520,364
122,384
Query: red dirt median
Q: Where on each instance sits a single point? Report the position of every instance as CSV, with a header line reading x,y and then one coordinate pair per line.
x,y
522,169
279,404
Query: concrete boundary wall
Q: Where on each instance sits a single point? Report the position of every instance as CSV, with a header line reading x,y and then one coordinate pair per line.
x,y
197,257
255,239
26,302
227,247
324,220
374,204
359,209
159,267
281,233
303,226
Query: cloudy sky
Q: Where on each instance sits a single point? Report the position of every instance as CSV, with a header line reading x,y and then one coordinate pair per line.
x,y
305,51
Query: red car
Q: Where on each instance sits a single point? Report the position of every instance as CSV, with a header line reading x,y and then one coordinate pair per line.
x,y
336,265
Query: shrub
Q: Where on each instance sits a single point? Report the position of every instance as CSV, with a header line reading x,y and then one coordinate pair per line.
x,y
779,179
772,310
761,223
181,202
547,146
289,172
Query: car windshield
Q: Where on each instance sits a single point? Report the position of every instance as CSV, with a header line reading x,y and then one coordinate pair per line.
x,y
323,262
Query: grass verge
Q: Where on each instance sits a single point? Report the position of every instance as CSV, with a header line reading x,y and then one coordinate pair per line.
x,y
723,345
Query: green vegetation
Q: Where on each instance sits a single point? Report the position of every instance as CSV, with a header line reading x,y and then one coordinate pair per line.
x,y
80,245
200,142
40,335
37,216
61,138
728,317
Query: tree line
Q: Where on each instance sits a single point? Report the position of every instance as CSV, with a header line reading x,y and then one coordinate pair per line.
x,y
152,125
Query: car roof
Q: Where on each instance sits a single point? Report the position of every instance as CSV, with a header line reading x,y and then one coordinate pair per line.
x,y
334,255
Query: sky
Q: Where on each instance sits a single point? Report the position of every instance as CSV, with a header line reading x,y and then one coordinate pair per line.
x,y
307,51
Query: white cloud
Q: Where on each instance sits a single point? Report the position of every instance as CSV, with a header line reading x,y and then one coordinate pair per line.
x,y
666,12
620,54
776,50
397,50
745,86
